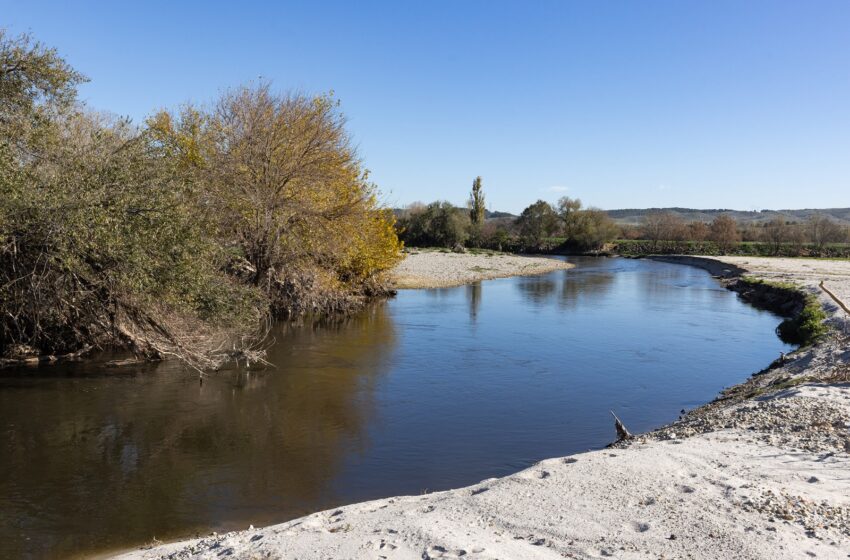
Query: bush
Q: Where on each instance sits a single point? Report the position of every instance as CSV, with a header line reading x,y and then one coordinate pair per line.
x,y
807,326
98,247
278,177
175,239
437,225
99,243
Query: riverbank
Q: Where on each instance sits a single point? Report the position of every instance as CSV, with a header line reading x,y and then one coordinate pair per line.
x,y
435,269
758,473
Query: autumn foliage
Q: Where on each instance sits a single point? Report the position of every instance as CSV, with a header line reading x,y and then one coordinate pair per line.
x,y
279,179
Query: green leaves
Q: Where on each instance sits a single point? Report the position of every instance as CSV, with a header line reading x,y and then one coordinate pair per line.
x,y
279,179
439,224
98,231
112,234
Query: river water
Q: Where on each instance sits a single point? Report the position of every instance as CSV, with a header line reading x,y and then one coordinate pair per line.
x,y
431,390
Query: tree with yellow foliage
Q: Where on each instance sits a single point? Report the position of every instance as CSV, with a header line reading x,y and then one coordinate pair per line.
x,y
287,193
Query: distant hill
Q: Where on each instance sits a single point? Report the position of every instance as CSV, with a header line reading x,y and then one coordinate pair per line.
x,y
634,216
488,215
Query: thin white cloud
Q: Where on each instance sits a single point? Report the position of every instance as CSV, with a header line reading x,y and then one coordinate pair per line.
x,y
558,188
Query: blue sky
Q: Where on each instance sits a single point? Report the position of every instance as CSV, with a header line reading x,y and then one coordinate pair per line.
x,y
709,104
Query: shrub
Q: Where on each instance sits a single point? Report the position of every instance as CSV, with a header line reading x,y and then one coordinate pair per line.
x,y
438,224
807,326
175,239
281,183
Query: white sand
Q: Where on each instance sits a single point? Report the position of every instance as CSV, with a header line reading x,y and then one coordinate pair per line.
x,y
804,272
433,269
761,478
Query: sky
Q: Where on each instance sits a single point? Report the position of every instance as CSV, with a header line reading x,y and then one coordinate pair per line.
x,y
715,104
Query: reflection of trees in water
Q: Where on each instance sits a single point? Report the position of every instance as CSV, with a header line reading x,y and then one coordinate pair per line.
x,y
473,296
441,293
564,287
100,462
538,289
576,286
656,287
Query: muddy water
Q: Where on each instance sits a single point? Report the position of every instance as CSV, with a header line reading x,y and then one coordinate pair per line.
x,y
432,390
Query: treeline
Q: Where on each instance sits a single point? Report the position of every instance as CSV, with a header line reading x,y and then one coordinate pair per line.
x,y
540,227
180,236
568,227
666,232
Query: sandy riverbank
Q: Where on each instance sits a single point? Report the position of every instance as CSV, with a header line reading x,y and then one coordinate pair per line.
x,y
761,473
434,269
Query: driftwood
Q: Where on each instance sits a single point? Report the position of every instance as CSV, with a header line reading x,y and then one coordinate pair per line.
x,y
45,358
622,433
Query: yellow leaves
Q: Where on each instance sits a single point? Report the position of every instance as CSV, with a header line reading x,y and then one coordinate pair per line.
x,y
375,247
161,123
181,137
279,176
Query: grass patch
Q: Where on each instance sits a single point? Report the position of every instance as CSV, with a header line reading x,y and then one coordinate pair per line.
x,y
753,281
790,382
780,384
807,326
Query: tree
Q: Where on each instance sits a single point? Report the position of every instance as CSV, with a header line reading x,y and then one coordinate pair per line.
x,y
448,226
36,86
676,229
98,243
775,233
476,203
476,209
823,231
285,186
568,209
537,222
585,230
594,228
698,231
438,224
664,226
724,232
177,238
653,227
797,237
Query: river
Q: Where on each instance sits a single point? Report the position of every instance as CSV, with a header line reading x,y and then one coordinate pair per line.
x,y
431,390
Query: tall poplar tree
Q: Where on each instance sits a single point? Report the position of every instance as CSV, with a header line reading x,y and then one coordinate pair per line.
x,y
476,211
476,203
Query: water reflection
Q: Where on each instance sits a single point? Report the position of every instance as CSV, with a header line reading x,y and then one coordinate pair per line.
x,y
89,463
565,287
586,286
473,296
538,290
